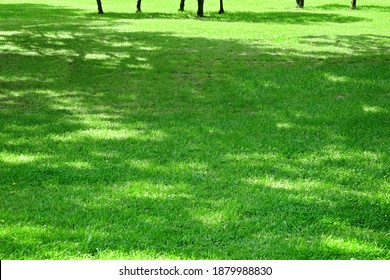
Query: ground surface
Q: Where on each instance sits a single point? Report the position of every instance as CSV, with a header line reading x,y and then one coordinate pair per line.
x,y
259,134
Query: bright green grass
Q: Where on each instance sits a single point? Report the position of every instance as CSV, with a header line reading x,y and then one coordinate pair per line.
x,y
263,133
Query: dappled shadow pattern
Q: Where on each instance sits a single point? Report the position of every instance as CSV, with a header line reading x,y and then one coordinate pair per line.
x,y
35,11
296,17
370,43
180,171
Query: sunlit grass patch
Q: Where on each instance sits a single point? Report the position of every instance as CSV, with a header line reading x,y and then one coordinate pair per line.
x,y
19,158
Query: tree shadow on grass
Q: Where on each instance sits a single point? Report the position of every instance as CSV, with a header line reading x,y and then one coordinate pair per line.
x,y
297,17
125,145
372,43
36,11
360,7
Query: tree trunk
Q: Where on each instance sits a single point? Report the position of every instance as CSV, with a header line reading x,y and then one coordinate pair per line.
x,y
221,10
100,7
138,6
200,8
353,4
300,3
181,9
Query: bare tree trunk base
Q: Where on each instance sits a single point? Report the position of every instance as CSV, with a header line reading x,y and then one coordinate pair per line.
x,y
353,4
138,7
100,7
182,4
221,10
300,4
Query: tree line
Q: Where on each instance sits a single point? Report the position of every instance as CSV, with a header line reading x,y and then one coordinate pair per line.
x,y
300,4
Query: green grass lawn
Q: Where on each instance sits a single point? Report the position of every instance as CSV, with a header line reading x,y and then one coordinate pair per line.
x,y
263,133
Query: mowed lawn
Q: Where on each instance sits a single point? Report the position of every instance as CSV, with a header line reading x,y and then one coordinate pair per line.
x,y
263,133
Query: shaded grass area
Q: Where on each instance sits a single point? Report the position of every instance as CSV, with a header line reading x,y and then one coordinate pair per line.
x,y
362,7
149,145
285,17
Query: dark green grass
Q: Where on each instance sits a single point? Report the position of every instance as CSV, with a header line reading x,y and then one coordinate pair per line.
x,y
118,141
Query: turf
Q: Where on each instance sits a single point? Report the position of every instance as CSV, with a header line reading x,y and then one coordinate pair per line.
x,y
262,133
